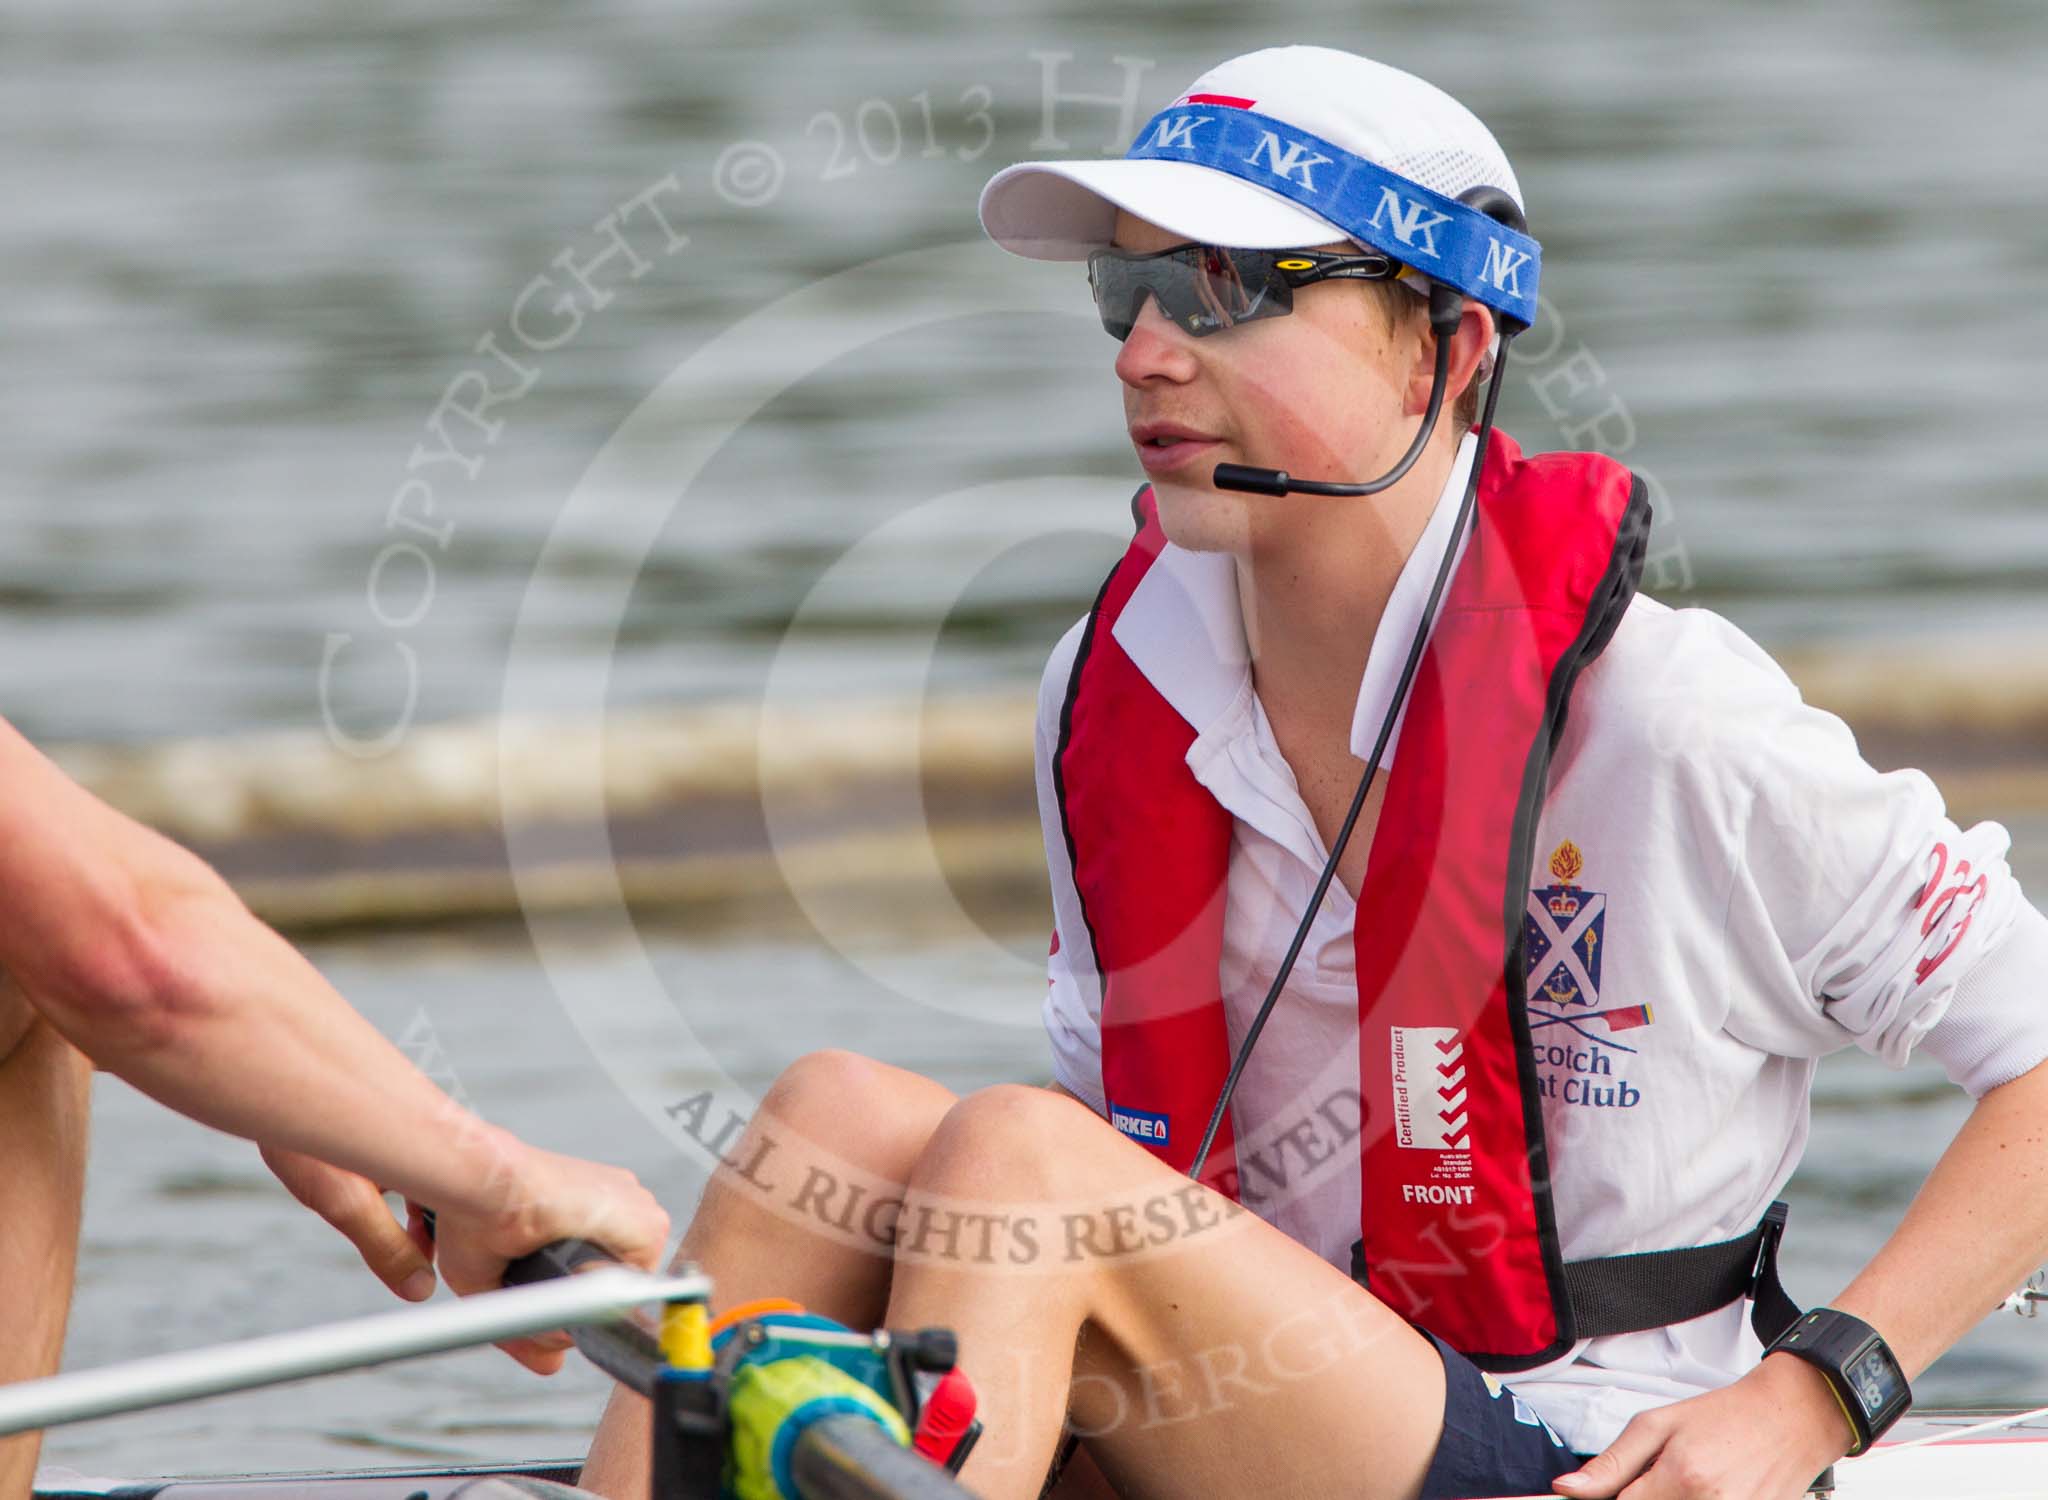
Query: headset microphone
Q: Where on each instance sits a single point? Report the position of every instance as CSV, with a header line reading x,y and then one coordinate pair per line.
x,y
1446,308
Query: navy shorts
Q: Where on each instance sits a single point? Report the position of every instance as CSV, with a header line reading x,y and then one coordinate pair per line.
x,y
1493,1444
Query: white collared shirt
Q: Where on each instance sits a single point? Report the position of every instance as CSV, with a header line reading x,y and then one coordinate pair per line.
x,y
1736,867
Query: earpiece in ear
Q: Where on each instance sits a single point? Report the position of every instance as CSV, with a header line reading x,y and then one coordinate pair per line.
x,y
1446,308
1496,204
1447,303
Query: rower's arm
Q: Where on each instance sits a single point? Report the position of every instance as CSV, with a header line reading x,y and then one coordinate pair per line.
x,y
140,955
17,1015
1977,1228
44,1091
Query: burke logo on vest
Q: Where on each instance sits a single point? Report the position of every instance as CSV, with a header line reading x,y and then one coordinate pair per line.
x,y
1139,1124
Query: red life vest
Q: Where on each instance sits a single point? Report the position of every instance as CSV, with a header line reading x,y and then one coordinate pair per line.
x,y
1555,557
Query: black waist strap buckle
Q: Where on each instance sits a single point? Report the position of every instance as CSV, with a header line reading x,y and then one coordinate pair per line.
x,y
1656,1288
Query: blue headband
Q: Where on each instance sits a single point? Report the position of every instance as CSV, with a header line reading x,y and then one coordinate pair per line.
x,y
1441,237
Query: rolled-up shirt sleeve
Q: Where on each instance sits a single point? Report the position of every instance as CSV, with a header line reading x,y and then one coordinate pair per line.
x,y
1993,1031
1073,994
1896,926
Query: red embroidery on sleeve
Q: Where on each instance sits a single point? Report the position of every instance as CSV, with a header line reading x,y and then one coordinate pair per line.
x,y
1941,906
1940,865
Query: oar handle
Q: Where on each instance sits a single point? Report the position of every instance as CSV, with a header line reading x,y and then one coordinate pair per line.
x,y
623,1350
562,1258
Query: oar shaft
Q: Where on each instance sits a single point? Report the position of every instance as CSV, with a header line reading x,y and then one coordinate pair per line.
x,y
461,1323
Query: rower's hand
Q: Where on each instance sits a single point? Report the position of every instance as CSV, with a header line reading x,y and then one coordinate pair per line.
x,y
548,1198
401,1255
543,1198
1766,1436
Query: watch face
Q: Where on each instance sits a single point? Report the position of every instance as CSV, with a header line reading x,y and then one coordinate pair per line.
x,y
1874,1379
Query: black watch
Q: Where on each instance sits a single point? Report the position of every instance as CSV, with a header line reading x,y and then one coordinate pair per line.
x,y
1867,1381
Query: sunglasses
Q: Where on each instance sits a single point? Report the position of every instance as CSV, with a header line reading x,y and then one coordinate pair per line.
x,y
1205,288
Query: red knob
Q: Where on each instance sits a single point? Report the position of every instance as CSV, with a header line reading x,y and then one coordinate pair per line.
x,y
948,1413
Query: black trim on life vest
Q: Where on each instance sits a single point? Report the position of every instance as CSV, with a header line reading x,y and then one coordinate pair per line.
x,y
1059,753
1603,616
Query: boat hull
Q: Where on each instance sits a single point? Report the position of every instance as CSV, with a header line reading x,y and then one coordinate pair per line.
x,y
436,1483
2010,1463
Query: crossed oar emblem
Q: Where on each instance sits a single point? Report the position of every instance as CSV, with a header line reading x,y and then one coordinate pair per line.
x,y
1572,978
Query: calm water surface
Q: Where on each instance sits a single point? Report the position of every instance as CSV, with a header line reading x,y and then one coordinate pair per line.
x,y
248,249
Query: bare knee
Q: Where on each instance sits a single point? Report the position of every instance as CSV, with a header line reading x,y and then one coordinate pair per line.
x,y
828,1153
988,1188
1084,1196
839,1104
1014,1139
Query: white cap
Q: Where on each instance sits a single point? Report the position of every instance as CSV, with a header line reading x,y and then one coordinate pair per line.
x,y
1062,210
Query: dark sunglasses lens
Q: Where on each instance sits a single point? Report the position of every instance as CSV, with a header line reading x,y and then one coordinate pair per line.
x,y
1202,288
1236,286
1116,293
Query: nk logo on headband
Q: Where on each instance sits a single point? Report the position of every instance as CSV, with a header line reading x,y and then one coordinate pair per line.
x,y
1416,232
1503,266
1177,134
1297,155
1459,245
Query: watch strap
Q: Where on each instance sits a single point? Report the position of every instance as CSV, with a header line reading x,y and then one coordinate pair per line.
x,y
1826,1338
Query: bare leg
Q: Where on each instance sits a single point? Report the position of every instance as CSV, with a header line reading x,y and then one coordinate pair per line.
x,y
815,1221
1203,1351
44,1098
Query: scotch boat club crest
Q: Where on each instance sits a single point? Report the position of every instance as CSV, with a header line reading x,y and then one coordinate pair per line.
x,y
1564,931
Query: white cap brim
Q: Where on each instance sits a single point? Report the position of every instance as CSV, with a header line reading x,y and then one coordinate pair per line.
x,y
1062,210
